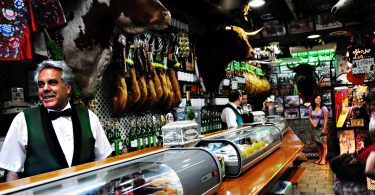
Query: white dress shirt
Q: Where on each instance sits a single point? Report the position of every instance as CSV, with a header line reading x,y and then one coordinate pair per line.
x,y
229,116
13,153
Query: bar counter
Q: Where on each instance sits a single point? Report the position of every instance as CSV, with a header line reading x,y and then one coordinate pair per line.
x,y
252,181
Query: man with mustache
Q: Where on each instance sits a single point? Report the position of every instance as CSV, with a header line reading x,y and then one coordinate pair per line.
x,y
56,134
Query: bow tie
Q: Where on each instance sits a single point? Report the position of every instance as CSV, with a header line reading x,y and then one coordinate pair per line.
x,y
55,114
239,107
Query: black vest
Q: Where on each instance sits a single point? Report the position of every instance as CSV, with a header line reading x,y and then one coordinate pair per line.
x,y
44,152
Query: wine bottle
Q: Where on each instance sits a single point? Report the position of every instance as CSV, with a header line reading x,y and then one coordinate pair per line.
x,y
189,113
133,136
117,141
139,135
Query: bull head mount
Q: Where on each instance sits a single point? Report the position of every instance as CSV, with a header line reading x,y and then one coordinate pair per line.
x,y
306,80
88,36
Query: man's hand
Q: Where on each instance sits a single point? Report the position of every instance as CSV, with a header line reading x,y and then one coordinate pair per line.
x,y
12,176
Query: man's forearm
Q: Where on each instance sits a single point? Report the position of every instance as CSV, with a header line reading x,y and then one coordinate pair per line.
x,y
12,176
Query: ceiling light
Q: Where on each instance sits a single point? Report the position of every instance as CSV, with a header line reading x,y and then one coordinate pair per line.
x,y
338,33
313,36
266,16
256,3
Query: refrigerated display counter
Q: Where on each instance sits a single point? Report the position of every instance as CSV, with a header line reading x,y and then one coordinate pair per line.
x,y
279,121
244,147
266,172
163,171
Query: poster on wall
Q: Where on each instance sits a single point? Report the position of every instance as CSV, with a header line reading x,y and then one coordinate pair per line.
x,y
326,21
304,112
341,105
273,28
346,141
273,69
360,140
292,113
362,59
292,101
300,26
283,78
273,79
285,90
327,99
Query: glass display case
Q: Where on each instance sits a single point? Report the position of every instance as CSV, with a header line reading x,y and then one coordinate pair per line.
x,y
243,147
171,171
279,121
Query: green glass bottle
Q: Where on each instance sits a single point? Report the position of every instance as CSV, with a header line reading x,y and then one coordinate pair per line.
x,y
139,135
149,132
144,134
161,122
117,140
153,134
132,136
110,135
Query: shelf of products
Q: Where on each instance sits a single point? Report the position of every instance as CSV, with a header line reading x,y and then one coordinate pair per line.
x,y
243,147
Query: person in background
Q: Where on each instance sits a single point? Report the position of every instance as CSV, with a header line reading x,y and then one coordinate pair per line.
x,y
244,104
56,134
368,153
231,115
318,117
247,116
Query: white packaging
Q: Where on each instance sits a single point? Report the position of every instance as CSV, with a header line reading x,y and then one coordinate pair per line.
x,y
180,133
259,116
17,94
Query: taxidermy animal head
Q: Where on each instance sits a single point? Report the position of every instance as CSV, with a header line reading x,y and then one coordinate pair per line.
x,y
354,10
306,80
216,49
88,35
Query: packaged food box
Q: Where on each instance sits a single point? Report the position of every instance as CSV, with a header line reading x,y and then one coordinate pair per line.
x,y
259,116
180,133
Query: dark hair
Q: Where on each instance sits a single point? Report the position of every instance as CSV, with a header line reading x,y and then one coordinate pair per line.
x,y
348,167
313,104
234,95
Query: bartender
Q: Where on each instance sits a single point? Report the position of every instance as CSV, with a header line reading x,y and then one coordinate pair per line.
x,y
247,116
56,134
231,115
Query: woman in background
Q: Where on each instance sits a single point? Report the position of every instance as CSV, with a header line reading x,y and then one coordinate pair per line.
x,y
318,117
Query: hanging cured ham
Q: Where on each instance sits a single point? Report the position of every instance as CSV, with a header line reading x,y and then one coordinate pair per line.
x,y
138,63
151,94
157,82
121,94
175,86
134,93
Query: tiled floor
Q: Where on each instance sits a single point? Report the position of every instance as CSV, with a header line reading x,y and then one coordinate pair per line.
x,y
318,179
